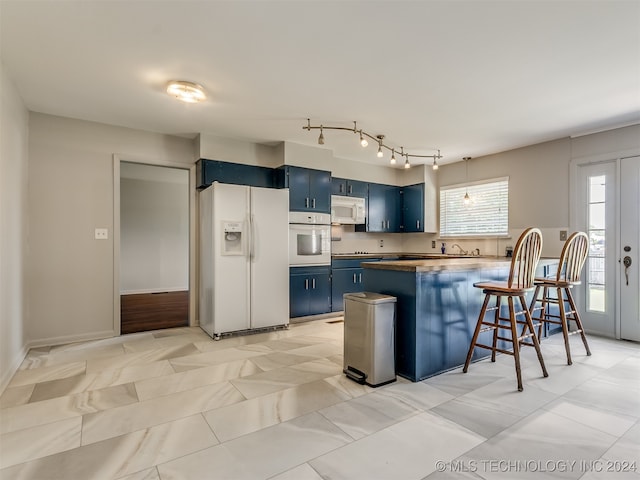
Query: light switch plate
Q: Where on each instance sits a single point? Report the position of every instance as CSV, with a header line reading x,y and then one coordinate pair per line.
x,y
102,234
563,235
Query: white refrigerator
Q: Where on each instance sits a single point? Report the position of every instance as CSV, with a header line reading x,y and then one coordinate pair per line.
x,y
244,258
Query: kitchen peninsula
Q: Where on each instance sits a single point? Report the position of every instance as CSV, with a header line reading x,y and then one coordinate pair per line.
x,y
437,307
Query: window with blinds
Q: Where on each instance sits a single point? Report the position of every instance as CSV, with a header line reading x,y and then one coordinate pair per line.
x,y
486,212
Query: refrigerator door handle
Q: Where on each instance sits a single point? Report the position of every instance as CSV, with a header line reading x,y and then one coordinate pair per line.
x,y
252,237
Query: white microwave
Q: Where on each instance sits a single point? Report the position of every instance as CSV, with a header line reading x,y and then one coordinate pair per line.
x,y
347,210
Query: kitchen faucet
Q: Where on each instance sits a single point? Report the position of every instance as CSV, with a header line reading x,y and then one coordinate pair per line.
x,y
461,252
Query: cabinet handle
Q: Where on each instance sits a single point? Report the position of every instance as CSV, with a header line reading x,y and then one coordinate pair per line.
x,y
313,203
313,283
306,284
341,188
382,223
306,202
418,224
387,223
354,278
360,277
350,189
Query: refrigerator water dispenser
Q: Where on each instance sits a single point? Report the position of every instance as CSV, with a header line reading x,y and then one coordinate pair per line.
x,y
232,238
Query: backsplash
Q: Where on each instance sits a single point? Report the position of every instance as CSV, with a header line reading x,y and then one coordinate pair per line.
x,y
351,241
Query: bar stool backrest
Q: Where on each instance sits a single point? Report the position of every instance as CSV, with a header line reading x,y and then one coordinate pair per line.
x,y
574,253
526,256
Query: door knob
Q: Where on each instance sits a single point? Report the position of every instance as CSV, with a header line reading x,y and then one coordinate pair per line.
x,y
627,263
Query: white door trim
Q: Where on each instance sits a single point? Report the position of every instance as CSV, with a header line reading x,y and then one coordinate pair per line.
x,y
193,286
574,165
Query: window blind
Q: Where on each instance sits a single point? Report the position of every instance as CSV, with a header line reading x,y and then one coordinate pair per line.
x,y
486,214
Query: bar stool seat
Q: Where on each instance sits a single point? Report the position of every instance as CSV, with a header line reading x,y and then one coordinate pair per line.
x,y
526,256
572,259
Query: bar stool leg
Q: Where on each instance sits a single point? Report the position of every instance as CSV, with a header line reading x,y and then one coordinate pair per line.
x,y
496,321
565,327
576,318
476,332
516,342
534,338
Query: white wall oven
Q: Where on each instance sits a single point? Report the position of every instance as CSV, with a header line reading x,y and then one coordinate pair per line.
x,y
309,239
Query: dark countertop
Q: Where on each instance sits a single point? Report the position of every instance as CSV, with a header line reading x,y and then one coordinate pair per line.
x,y
401,256
445,263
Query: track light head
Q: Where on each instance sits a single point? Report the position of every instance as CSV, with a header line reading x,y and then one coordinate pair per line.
x,y
393,157
435,164
363,141
406,163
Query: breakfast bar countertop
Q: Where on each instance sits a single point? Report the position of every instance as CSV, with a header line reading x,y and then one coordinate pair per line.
x,y
439,263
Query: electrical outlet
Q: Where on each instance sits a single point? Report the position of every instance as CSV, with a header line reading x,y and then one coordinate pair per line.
x,y
102,234
381,243
563,235
433,244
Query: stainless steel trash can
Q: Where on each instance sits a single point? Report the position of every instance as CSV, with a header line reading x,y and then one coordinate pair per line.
x,y
369,338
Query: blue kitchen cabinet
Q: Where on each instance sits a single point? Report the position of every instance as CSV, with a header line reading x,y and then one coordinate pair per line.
x,y
384,212
413,208
349,188
209,171
309,189
309,291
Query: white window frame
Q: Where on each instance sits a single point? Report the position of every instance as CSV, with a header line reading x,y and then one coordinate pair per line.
x,y
457,191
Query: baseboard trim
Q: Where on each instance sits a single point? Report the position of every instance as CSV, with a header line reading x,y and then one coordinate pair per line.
x,y
13,368
50,342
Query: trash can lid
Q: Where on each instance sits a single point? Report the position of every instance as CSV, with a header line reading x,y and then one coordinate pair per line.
x,y
369,297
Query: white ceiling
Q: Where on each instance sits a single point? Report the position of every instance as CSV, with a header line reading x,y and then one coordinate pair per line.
x,y
468,77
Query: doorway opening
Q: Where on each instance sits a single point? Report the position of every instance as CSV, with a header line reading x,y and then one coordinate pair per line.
x,y
154,247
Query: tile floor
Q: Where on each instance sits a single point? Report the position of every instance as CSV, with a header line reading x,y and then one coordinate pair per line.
x,y
175,404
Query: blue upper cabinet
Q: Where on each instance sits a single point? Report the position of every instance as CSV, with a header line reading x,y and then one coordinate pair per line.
x,y
209,171
384,212
413,208
349,188
309,189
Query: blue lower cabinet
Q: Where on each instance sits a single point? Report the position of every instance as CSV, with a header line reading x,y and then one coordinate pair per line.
x,y
344,280
309,291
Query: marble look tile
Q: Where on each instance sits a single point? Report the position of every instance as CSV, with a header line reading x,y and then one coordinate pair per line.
x,y
261,412
214,357
149,474
99,380
457,383
43,374
563,377
626,450
280,359
286,377
39,413
367,414
600,392
121,420
419,395
36,442
319,350
407,450
123,455
483,418
190,379
140,358
200,465
57,357
301,472
12,397
591,416
348,386
546,437
174,341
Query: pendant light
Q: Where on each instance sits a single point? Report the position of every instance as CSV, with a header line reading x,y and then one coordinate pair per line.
x,y
321,137
467,199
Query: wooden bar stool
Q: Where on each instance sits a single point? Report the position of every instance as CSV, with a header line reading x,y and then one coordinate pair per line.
x,y
526,256
574,254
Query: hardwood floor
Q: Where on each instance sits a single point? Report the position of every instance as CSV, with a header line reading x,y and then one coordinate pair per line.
x,y
153,311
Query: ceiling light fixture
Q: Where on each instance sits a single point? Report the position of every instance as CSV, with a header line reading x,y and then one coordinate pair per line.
x,y
377,138
467,199
380,154
187,92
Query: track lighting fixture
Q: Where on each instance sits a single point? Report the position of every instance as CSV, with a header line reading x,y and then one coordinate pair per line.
x,y
378,138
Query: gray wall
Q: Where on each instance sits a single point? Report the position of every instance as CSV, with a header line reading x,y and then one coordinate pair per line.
x,y
70,274
14,132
